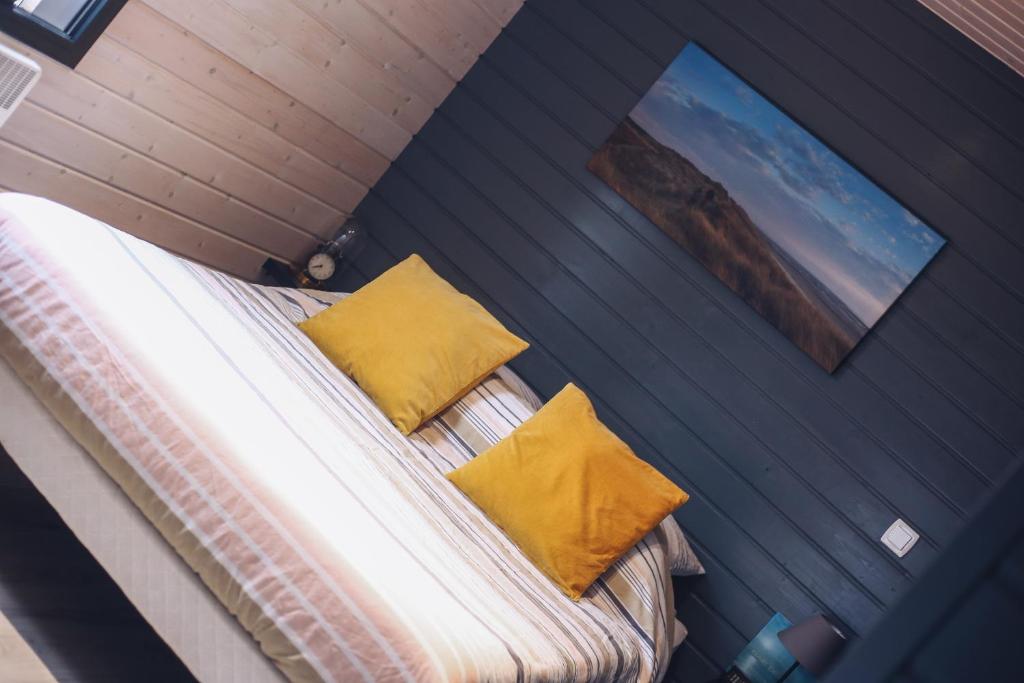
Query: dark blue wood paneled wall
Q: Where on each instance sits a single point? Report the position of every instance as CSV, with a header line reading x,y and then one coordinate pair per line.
x,y
962,620
794,473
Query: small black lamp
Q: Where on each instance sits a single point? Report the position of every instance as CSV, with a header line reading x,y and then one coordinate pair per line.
x,y
814,643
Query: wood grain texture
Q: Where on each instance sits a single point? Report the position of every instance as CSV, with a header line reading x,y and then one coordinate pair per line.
x,y
262,122
794,473
995,25
28,172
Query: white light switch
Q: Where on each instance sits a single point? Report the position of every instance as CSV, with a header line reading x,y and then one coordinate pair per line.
x,y
900,538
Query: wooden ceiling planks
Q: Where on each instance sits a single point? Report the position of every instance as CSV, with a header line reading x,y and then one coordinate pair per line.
x,y
242,125
996,25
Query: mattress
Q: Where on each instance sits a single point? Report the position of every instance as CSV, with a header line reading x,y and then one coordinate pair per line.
x,y
336,542
161,586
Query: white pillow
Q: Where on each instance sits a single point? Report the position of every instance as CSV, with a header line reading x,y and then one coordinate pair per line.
x,y
682,560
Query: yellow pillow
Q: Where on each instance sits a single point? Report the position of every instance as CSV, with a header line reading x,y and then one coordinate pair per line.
x,y
568,492
412,342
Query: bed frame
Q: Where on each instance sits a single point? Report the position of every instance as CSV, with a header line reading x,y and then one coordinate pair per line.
x,y
168,594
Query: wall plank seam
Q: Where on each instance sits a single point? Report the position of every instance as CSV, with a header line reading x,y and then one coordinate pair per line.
x,y
36,111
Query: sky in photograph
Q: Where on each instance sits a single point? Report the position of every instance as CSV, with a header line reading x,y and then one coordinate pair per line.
x,y
854,237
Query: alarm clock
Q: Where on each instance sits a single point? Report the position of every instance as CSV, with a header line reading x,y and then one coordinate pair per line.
x,y
323,263
321,266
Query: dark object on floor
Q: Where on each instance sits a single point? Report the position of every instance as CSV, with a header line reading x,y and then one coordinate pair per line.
x,y
734,675
766,660
814,642
784,653
64,604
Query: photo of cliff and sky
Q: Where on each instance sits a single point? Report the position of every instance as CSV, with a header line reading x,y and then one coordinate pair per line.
x,y
811,244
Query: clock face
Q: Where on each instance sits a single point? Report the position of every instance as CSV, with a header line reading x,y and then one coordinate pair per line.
x,y
321,266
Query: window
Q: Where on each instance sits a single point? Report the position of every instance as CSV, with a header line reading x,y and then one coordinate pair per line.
x,y
62,29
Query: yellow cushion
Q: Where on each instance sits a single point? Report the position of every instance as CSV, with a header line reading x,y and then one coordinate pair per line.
x,y
412,342
568,492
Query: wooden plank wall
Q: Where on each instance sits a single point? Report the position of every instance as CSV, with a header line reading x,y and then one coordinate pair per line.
x,y
995,25
233,130
963,619
794,473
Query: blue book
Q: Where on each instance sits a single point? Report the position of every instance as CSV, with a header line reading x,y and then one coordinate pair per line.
x,y
766,660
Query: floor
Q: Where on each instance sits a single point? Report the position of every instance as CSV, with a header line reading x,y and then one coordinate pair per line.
x,y
62,603
17,660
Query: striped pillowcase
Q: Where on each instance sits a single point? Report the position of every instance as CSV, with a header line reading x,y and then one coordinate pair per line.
x,y
480,419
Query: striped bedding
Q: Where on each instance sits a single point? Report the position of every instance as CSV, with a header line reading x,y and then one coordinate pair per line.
x,y
335,540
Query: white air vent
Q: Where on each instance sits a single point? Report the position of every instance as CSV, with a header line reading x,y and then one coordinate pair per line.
x,y
17,76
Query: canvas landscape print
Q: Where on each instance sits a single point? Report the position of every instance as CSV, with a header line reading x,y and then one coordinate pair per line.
x,y
805,239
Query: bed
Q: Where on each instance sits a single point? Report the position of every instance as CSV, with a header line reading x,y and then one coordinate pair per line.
x,y
255,506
